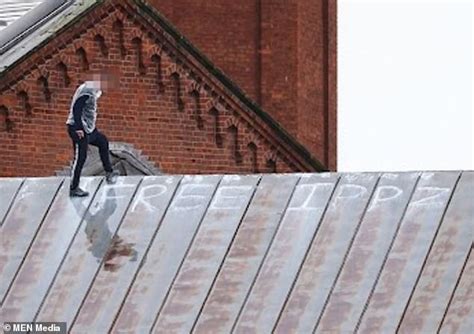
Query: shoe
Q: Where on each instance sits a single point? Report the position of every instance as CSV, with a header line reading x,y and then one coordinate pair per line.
x,y
78,192
111,177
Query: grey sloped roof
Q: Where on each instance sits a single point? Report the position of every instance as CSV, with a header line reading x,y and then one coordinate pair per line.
x,y
12,10
289,253
48,25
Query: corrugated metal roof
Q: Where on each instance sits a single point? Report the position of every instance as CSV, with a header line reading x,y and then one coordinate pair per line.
x,y
12,10
292,253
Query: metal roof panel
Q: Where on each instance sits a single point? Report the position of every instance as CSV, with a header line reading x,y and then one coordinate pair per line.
x,y
291,253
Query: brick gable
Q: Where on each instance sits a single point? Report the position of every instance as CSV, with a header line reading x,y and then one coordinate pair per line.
x,y
172,104
281,53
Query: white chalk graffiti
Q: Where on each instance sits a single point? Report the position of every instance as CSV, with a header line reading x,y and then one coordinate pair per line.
x,y
144,196
113,191
230,197
110,193
306,196
348,192
191,196
24,195
384,194
389,176
430,196
86,182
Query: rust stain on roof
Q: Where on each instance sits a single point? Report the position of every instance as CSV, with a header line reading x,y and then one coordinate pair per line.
x,y
291,253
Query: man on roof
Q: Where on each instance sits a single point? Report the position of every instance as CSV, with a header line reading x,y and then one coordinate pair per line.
x,y
81,127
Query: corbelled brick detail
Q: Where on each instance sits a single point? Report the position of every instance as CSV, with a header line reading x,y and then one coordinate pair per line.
x,y
168,105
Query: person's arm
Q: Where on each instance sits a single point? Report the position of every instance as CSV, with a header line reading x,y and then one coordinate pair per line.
x,y
77,114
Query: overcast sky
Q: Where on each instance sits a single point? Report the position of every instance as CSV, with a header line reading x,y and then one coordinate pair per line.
x,y
405,85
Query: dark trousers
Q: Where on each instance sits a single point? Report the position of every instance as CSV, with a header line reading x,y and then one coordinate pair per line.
x,y
96,138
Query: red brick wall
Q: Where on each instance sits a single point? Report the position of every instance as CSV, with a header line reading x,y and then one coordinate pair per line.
x,y
311,98
332,83
279,39
225,31
33,134
282,53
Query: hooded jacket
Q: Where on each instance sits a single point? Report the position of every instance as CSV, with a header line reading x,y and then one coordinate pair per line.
x,y
83,111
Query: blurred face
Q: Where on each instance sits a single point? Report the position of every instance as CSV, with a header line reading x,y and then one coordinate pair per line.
x,y
106,82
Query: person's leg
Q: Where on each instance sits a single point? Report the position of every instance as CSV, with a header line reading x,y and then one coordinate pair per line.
x,y
80,155
97,139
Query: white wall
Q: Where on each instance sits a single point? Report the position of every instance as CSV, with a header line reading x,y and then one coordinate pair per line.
x,y
405,85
